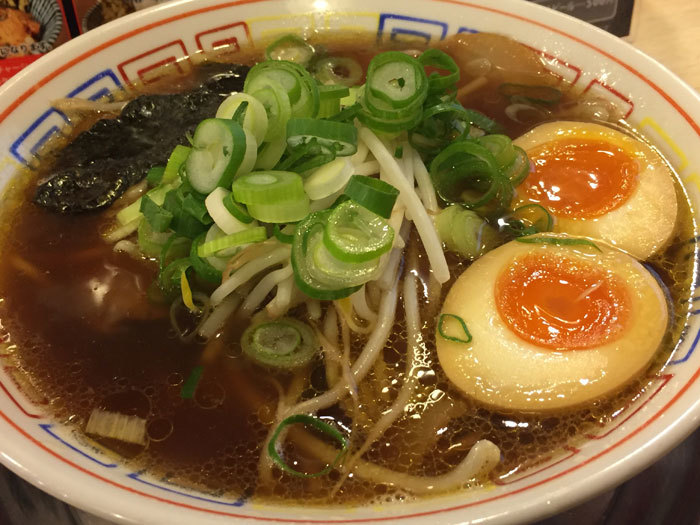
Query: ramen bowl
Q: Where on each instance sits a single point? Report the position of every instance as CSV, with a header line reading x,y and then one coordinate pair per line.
x,y
66,464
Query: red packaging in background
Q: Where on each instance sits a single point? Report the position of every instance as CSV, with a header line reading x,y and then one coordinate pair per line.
x,y
92,13
29,29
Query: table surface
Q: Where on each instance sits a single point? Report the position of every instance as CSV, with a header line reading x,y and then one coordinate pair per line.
x,y
665,493
668,31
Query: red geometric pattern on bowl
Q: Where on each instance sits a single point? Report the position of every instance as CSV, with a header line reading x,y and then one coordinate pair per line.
x,y
603,90
145,66
236,35
565,71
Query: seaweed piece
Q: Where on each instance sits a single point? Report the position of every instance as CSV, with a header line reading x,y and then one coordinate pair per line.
x,y
101,163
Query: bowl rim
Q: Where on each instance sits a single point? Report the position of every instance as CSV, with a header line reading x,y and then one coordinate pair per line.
x,y
634,461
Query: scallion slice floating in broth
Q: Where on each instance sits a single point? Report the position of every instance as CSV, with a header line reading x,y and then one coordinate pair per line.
x,y
317,424
527,220
536,94
435,58
291,48
284,343
338,70
190,385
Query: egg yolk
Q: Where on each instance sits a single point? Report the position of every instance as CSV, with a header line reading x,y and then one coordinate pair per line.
x,y
561,304
580,178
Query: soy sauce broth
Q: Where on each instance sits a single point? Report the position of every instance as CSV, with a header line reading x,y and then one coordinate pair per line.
x,y
84,331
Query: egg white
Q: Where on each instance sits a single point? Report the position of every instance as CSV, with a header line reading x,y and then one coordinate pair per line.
x,y
643,223
501,369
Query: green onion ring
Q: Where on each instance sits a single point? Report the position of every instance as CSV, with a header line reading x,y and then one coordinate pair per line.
x,y
438,83
319,425
374,194
559,241
463,325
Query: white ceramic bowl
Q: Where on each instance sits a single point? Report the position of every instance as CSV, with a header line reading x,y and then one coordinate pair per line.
x,y
60,461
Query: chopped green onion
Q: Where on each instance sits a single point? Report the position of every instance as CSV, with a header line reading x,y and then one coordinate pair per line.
x,y
151,242
186,225
224,255
559,241
396,79
130,212
328,179
190,385
219,150
158,217
319,425
465,232
286,238
195,206
240,113
275,100
155,175
219,211
270,153
336,137
174,248
236,209
330,92
442,123
466,172
442,329
519,169
283,343
250,235
355,234
299,85
133,211
388,124
201,266
393,95
347,114
292,48
307,236
169,278
545,95
331,96
500,146
175,162
483,122
329,108
333,272
338,70
374,194
268,188
255,119
435,58
281,212
527,220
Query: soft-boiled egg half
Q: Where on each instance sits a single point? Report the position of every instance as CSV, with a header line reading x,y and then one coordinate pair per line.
x,y
551,325
600,183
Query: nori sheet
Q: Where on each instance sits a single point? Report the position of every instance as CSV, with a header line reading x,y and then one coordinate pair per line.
x,y
101,163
